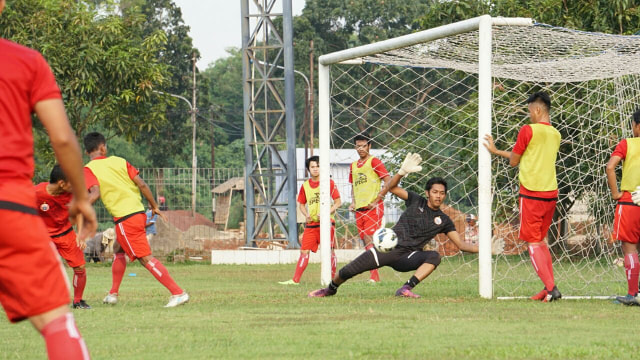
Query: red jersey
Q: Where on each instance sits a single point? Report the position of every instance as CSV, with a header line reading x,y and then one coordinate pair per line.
x,y
376,164
25,80
53,209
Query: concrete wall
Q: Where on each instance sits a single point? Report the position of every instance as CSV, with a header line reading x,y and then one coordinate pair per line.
x,y
255,257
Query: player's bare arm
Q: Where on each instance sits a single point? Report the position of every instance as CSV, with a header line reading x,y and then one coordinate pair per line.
x,y
382,193
146,192
303,210
410,164
94,194
352,206
514,159
463,246
65,145
610,169
336,204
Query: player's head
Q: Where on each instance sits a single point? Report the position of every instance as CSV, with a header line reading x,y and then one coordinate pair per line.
x,y
539,106
313,165
436,191
95,141
635,123
363,144
58,178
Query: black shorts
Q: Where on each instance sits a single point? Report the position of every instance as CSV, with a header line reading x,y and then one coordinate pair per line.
x,y
399,259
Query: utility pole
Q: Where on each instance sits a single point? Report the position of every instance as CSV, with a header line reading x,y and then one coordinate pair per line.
x,y
194,160
311,63
213,137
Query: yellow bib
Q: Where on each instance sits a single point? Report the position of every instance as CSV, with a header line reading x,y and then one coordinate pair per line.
x,y
538,162
118,192
366,183
313,201
631,166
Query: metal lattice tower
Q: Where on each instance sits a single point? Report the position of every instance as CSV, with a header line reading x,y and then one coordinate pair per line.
x,y
269,122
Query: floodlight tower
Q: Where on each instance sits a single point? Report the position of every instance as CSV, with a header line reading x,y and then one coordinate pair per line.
x,y
269,122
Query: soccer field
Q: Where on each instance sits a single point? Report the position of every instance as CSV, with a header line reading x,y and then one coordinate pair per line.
x,y
240,312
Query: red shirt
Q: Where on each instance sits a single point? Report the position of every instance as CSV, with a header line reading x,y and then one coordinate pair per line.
x,y
376,164
25,79
302,197
621,149
524,137
53,209
91,179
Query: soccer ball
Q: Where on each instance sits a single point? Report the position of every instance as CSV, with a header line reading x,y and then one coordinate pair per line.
x,y
385,240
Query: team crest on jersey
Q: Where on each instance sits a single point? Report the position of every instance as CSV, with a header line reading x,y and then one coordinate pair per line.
x,y
44,207
437,220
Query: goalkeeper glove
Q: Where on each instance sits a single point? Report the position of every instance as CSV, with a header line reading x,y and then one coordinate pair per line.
x,y
410,164
635,196
497,245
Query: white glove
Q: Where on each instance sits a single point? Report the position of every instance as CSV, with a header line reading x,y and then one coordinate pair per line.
x,y
410,164
497,245
635,196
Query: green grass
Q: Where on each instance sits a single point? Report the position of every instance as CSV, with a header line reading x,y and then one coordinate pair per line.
x,y
240,312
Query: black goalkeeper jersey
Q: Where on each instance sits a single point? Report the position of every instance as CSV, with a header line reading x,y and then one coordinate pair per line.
x,y
418,224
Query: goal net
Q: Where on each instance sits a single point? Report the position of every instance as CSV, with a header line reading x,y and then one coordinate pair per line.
x,y
428,98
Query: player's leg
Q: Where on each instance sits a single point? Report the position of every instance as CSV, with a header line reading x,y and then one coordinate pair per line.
x,y
369,260
118,268
71,253
34,286
310,241
370,222
627,230
423,262
535,219
334,259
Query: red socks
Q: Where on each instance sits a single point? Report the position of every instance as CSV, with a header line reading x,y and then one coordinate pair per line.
x,y
79,281
632,270
303,261
374,273
117,272
334,264
63,340
541,260
161,274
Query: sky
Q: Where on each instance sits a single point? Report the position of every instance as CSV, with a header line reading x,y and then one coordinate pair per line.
x,y
215,25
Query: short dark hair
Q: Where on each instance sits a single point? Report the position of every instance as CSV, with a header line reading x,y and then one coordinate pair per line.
x,y
93,140
315,158
636,117
436,180
57,174
362,136
540,96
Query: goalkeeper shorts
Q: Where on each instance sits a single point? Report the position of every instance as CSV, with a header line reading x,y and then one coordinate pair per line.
x,y
626,223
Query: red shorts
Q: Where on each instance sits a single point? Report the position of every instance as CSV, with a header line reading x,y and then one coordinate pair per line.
x,y
132,236
368,221
311,237
626,223
32,278
535,218
68,249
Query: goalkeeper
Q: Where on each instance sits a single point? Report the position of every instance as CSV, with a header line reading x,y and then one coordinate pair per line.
x,y
419,223
626,223
536,150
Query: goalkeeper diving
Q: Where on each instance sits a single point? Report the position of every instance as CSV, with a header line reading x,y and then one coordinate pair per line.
x,y
419,223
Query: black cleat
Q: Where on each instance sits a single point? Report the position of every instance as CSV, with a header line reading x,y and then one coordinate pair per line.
x,y
629,300
81,305
553,295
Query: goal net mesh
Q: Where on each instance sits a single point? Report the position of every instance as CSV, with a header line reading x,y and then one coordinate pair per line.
x,y
424,99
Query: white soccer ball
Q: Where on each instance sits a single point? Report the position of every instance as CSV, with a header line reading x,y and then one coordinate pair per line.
x,y
385,240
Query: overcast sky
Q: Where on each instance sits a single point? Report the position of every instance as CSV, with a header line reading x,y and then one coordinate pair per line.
x,y
215,25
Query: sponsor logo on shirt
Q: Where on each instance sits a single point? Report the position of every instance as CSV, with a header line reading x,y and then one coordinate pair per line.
x,y
361,180
44,207
437,220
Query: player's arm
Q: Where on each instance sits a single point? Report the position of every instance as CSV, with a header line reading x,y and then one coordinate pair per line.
x,y
513,161
65,145
463,246
336,204
410,164
303,210
397,190
146,192
94,194
610,169
352,206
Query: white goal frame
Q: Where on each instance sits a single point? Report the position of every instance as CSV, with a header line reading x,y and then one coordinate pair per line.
x,y
353,56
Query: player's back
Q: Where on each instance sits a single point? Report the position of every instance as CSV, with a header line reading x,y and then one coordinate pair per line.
x,y
120,195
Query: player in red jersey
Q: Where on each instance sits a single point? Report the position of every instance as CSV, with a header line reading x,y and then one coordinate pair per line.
x,y
626,223
536,150
309,196
33,283
366,175
120,187
52,200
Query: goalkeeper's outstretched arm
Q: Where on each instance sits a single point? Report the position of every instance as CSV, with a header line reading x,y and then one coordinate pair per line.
x,y
410,164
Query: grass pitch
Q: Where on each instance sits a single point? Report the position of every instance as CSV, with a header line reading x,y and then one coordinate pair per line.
x,y
240,312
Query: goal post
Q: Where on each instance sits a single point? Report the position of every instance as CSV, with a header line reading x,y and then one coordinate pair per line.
x,y
438,92
482,23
